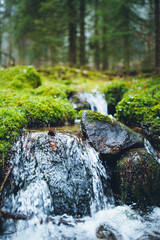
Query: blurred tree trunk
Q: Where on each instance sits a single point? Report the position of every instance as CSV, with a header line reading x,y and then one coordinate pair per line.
x,y
150,35
96,45
157,36
127,39
104,47
126,54
72,32
82,32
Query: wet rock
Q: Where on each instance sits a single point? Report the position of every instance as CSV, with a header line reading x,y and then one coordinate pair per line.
x,y
139,175
106,232
79,103
55,180
108,136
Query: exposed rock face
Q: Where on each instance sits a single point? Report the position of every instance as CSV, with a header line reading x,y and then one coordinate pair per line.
x,y
107,135
139,175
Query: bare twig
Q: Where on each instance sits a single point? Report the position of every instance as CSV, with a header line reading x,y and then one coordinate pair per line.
x,y
5,179
14,216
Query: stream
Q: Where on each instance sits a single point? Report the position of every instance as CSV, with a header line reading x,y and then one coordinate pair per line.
x,y
58,180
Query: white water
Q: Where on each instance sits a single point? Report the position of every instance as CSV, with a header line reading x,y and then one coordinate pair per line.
x,y
151,150
34,197
96,101
125,223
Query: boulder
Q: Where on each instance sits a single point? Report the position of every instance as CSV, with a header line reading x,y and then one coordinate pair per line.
x,y
54,174
79,103
106,135
139,176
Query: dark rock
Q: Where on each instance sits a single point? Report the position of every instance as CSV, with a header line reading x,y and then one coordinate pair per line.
x,y
108,136
139,175
106,232
51,133
79,103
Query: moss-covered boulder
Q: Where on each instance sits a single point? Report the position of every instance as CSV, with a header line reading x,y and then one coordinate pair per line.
x,y
20,77
114,93
46,111
139,175
106,135
140,107
47,90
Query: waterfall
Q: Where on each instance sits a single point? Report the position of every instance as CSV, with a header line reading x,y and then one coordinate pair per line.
x,y
151,150
55,181
96,101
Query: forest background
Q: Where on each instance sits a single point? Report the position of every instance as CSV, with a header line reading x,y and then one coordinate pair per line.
x,y
112,35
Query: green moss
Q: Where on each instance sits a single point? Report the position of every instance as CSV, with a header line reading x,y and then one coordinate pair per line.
x,y
12,120
19,109
139,175
44,111
52,91
95,116
140,107
20,77
75,79
114,92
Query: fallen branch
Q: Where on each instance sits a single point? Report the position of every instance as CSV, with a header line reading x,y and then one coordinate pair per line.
x,y
7,233
5,179
14,216
10,56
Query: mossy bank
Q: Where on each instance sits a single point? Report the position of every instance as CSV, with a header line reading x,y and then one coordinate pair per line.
x,y
25,101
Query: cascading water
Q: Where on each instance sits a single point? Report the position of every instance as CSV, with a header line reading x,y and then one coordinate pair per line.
x,y
56,183
49,181
96,101
151,150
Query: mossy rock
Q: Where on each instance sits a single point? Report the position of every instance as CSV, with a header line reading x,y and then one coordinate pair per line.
x,y
142,110
24,110
139,175
46,111
107,135
20,77
46,90
12,120
114,93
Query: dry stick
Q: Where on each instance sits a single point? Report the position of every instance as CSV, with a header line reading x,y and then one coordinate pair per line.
x,y
5,179
7,233
14,216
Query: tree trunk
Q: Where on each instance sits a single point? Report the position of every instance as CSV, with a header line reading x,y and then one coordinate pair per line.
x,y
126,54
96,45
157,36
72,32
82,32
150,34
104,49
